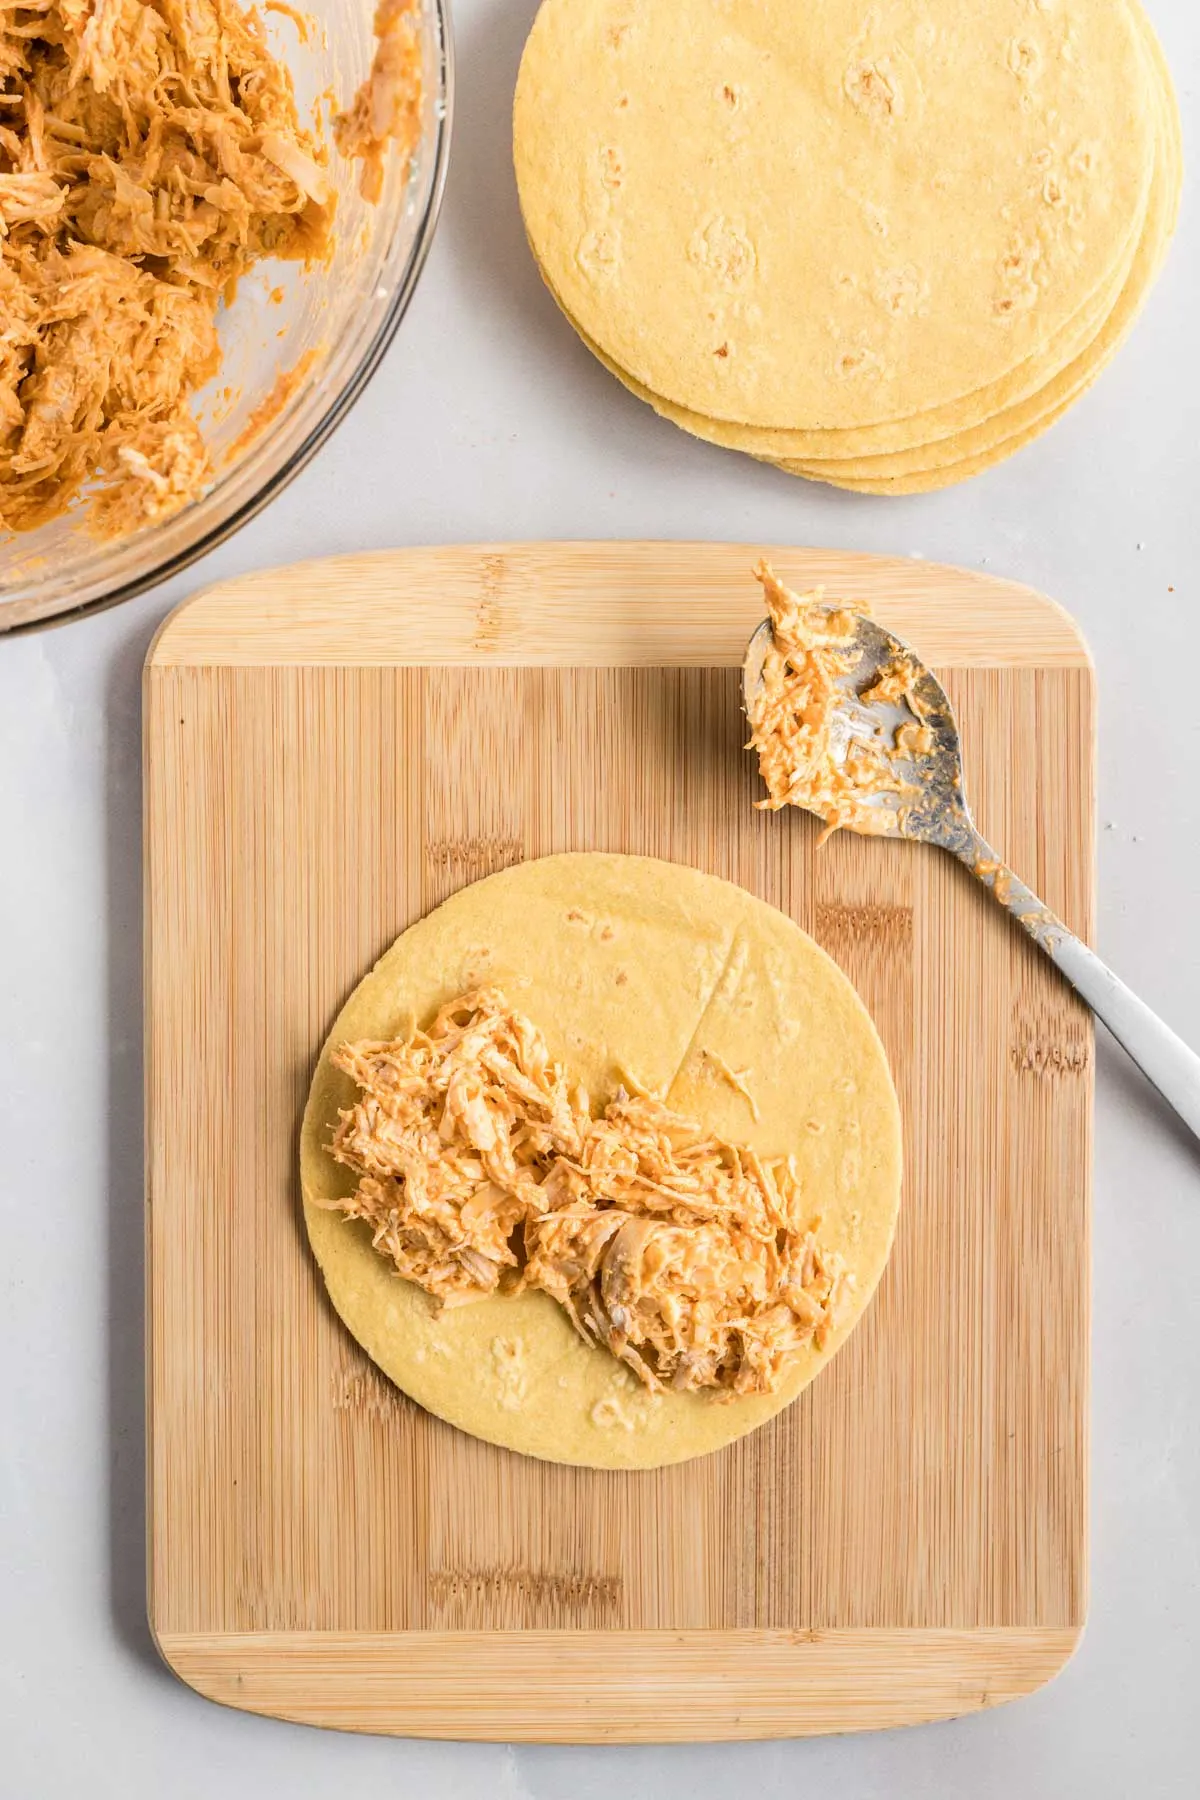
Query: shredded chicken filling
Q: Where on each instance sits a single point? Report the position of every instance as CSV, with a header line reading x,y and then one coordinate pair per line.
x,y
150,154
794,719
482,1169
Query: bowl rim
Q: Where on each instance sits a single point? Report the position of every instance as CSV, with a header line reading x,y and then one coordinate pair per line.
x,y
339,407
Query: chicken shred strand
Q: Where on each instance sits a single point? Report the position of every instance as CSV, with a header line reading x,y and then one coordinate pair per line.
x,y
481,1169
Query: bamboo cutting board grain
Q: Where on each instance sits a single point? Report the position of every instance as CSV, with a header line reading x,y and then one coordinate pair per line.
x,y
330,751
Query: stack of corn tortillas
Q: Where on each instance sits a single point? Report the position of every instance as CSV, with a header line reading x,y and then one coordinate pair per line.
x,y
882,245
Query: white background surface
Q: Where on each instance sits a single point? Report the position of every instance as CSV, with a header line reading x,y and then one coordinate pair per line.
x,y
488,421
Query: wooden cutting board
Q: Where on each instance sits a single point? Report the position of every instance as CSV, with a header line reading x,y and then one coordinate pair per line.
x,y
330,751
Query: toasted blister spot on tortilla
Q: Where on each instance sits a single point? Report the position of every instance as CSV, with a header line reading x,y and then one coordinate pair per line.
x,y
1017,273
874,89
509,1368
476,965
612,166
609,1414
724,249
1019,262
857,362
599,252
901,291
1025,58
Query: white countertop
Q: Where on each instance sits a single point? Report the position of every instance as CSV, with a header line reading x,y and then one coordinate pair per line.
x,y
489,421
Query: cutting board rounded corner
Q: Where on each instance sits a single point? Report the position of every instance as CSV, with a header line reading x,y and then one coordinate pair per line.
x,y
167,627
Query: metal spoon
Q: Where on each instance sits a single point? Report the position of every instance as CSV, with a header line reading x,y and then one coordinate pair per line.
x,y
933,810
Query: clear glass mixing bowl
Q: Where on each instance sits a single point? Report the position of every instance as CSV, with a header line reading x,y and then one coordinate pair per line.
x,y
344,314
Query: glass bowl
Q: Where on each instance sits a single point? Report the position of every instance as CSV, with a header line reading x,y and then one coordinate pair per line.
x,y
327,328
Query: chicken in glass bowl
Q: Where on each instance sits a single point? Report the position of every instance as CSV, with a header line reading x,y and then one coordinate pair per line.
x,y
212,218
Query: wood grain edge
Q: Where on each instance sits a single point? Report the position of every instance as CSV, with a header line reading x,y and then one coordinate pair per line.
x,y
593,603
150,725
619,1687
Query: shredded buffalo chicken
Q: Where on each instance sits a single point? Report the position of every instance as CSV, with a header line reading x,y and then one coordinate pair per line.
x,y
804,758
150,154
482,1170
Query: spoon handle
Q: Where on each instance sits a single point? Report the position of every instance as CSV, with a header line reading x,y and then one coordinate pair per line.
x,y
1164,1059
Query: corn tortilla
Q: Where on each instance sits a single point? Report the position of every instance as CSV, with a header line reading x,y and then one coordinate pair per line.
x,y
633,969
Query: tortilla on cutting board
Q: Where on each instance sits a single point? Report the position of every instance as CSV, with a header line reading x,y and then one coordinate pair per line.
x,y
636,971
